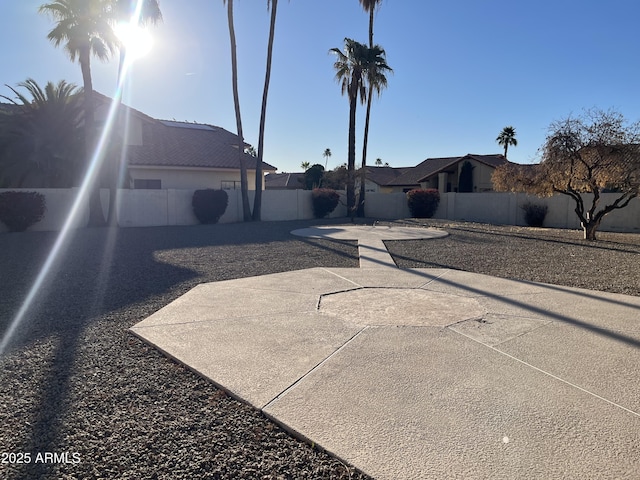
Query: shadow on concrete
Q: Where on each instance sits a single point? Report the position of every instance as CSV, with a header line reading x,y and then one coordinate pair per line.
x,y
612,334
102,273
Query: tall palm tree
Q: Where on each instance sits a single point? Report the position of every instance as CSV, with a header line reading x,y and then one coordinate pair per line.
x,y
244,187
326,154
142,12
305,166
84,28
257,200
354,67
369,6
41,137
507,137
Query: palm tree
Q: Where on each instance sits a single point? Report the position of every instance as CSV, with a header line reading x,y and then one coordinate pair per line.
x,y
244,187
41,136
126,12
305,165
355,68
369,6
326,154
507,137
257,200
84,27
141,12
378,162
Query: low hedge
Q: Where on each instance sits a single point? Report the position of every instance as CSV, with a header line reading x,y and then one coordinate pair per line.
x,y
534,214
20,210
209,205
423,203
325,201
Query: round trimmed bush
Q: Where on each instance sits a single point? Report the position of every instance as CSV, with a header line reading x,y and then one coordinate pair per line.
x,y
20,210
534,214
325,201
423,203
209,205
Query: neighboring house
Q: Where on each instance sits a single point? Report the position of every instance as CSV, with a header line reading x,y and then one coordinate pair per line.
x,y
284,181
444,174
439,173
164,154
377,178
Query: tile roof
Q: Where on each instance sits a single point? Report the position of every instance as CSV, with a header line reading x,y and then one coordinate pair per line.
x,y
384,175
176,144
432,166
290,181
9,108
168,143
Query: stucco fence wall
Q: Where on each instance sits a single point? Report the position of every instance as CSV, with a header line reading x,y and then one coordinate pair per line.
x,y
145,208
59,203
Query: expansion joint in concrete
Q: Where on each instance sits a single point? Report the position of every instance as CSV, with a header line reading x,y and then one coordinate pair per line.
x,y
317,366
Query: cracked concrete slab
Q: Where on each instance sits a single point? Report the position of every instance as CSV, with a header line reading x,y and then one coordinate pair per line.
x,y
416,403
424,373
399,306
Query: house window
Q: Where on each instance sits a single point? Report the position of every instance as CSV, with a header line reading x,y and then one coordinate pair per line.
x,y
230,185
147,184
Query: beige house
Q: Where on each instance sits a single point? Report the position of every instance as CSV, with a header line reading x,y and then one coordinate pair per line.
x,y
439,173
164,154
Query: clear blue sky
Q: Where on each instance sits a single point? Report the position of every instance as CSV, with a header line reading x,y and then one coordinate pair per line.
x,y
464,69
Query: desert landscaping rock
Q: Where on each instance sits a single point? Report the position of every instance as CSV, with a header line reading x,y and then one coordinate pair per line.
x,y
74,380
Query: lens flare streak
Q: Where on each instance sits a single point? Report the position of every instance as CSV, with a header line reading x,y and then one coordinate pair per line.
x,y
81,200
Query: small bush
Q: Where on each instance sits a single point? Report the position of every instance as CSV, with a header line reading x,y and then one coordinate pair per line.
x,y
209,205
325,201
534,214
20,210
423,203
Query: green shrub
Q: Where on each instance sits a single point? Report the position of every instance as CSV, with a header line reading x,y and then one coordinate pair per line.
x,y
313,176
423,203
20,210
534,214
325,201
209,204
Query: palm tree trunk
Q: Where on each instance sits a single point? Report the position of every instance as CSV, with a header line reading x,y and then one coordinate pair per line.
x,y
244,187
96,217
363,173
373,8
257,201
118,160
351,160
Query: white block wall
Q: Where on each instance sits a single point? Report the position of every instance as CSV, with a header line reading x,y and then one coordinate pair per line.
x,y
145,208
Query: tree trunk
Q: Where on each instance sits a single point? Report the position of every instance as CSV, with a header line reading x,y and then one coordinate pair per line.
x,y
363,172
257,201
371,12
96,217
590,228
351,160
118,157
244,186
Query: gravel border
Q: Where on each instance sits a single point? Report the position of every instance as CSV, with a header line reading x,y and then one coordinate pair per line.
x,y
77,384
557,256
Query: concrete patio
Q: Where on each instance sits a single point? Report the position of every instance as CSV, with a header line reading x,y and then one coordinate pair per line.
x,y
423,373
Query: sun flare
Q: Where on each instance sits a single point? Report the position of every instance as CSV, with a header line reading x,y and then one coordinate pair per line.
x,y
136,40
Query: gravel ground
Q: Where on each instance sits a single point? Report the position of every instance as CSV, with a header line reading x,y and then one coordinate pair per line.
x,y
561,257
76,384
